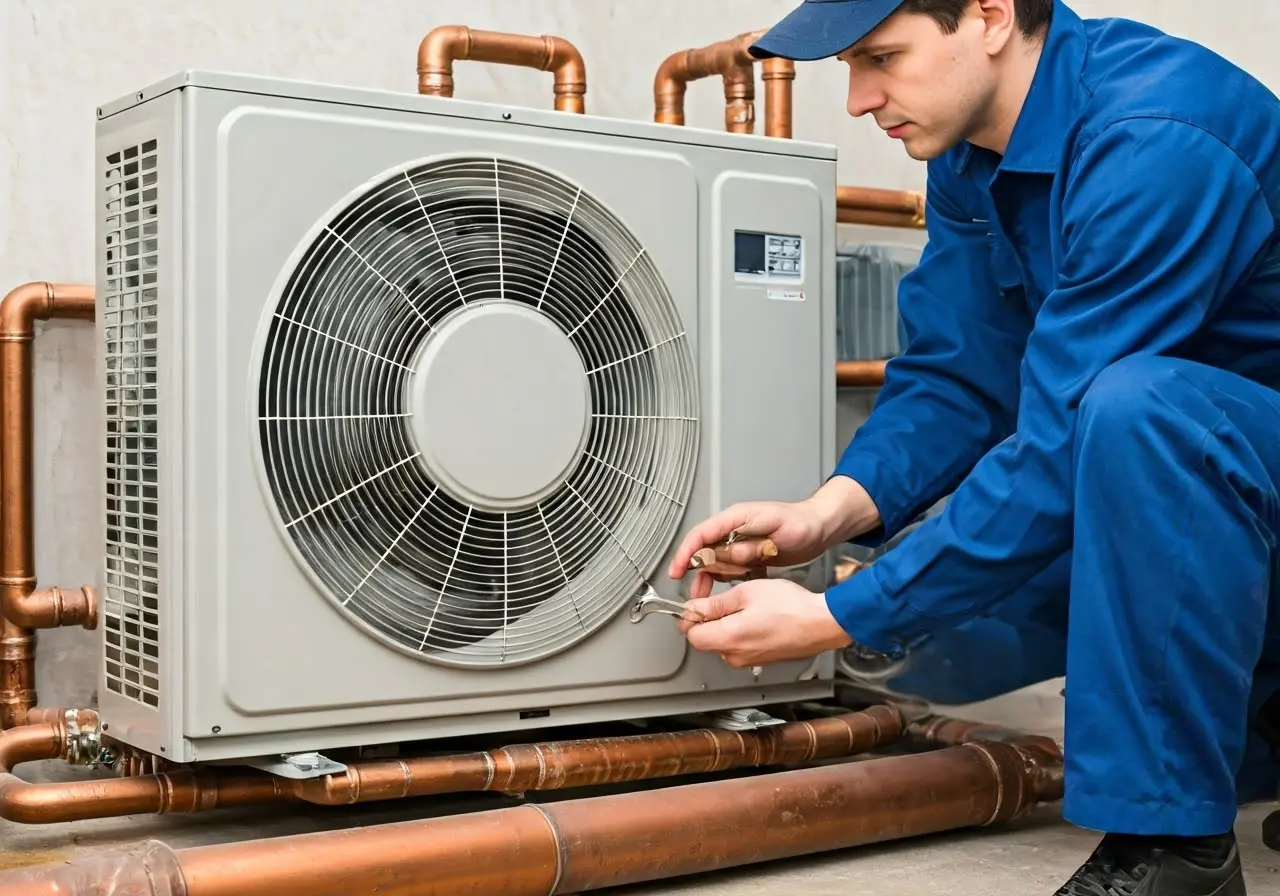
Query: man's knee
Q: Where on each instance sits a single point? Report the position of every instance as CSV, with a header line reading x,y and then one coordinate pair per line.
x,y
1129,394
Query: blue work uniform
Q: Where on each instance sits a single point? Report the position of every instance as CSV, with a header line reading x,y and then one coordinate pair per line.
x,y
1092,358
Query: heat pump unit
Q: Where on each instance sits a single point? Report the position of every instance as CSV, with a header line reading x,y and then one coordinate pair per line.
x,y
407,399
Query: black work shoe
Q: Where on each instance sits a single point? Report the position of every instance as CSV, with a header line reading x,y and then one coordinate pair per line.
x,y
1271,831
1160,866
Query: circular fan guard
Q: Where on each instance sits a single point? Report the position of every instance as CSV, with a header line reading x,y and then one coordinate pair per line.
x,y
421,563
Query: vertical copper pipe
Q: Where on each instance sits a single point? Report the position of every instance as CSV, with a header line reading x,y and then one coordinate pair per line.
x,y
778,75
22,607
581,845
442,46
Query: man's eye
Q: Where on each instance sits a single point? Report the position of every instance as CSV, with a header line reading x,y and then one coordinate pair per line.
x,y
881,58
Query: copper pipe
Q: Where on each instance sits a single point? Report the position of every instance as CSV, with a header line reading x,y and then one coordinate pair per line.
x,y
576,846
885,208
860,374
147,868
777,74
447,43
545,766
736,67
180,790
22,607
552,766
53,607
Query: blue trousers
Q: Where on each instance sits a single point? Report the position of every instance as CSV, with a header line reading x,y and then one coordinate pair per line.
x,y
1165,614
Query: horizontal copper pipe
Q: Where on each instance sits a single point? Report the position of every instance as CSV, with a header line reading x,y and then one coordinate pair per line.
x,y
147,868
884,208
545,766
179,790
447,43
552,766
860,374
21,606
576,846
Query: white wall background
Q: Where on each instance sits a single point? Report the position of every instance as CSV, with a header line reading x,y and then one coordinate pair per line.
x,y
60,59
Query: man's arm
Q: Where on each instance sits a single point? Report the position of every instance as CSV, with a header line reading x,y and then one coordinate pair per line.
x,y
1160,221
953,392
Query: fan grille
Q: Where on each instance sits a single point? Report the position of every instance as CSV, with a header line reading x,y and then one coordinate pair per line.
x,y
422,563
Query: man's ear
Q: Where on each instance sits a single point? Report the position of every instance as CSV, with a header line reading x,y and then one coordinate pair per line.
x,y
999,20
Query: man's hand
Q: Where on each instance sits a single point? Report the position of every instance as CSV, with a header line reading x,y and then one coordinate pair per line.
x,y
800,531
764,621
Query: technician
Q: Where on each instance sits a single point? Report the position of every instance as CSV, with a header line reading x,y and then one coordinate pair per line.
x,y
1091,369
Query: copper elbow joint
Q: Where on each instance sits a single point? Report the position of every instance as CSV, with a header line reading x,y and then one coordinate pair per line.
x,y
54,608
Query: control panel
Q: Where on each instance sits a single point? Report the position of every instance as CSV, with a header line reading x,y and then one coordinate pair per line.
x,y
767,257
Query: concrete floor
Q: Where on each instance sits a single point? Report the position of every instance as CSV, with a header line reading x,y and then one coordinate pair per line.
x,y
1028,857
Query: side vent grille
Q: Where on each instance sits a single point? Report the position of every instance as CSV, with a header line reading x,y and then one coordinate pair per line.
x,y
131,611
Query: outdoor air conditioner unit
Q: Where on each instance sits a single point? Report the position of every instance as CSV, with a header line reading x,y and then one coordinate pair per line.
x,y
407,399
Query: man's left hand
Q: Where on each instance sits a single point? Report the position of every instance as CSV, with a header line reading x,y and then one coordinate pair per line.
x,y
764,621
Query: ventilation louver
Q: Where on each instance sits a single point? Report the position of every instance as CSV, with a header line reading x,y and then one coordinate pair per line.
x,y
130,311
477,412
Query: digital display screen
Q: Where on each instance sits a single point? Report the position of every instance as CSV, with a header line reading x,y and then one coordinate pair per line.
x,y
769,256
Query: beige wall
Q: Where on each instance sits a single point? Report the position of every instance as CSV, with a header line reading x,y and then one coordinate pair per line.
x,y
59,59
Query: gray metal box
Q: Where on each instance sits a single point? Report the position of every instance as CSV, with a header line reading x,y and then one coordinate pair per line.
x,y
284,515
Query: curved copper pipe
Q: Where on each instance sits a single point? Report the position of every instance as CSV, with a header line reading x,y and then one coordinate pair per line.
x,y
447,43
53,607
885,208
576,846
736,67
22,607
180,790
553,766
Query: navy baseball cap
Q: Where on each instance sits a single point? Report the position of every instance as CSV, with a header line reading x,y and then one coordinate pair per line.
x,y
819,29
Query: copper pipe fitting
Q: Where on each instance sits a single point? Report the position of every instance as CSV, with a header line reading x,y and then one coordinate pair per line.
x,y
52,607
553,766
576,846
884,208
447,43
21,610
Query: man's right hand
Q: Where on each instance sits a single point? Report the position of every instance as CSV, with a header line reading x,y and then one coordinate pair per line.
x,y
801,532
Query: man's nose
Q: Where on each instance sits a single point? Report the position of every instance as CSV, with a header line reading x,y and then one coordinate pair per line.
x,y
863,97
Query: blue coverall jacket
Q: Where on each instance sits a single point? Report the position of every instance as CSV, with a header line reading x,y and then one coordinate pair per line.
x,y
1093,346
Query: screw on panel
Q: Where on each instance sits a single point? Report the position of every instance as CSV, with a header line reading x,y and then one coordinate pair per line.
x,y
217,729
506,116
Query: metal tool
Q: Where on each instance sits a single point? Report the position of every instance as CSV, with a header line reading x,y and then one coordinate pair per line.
x,y
707,556
650,601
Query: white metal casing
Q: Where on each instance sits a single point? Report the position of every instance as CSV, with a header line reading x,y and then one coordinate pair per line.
x,y
238,653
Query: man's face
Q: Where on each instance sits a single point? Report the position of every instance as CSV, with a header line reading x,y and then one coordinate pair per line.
x,y
929,89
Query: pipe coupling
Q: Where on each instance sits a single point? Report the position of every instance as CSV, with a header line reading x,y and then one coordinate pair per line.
x,y
83,739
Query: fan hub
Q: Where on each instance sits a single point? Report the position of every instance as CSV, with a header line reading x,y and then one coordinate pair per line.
x,y
500,405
